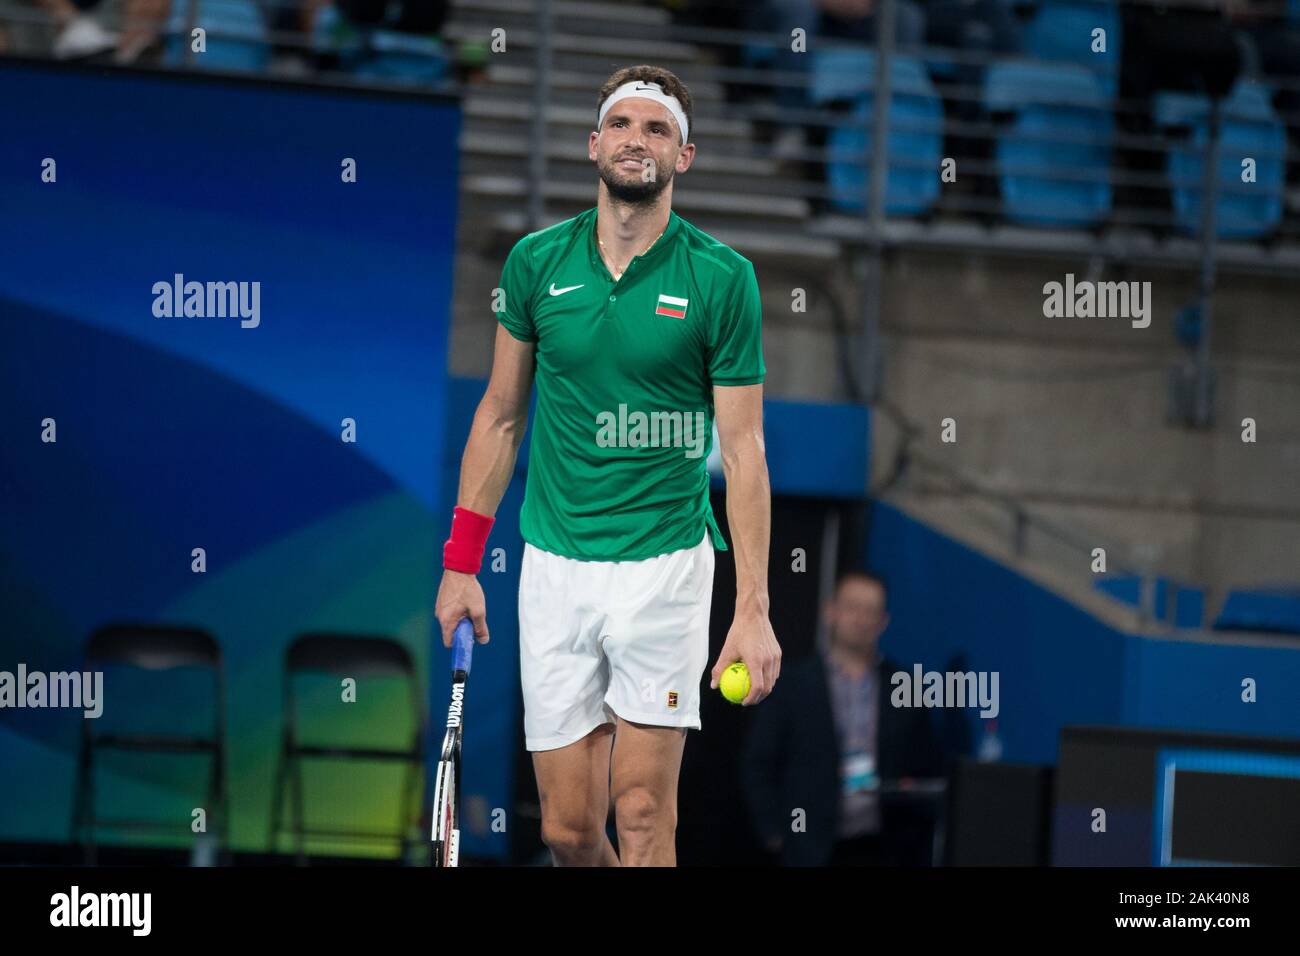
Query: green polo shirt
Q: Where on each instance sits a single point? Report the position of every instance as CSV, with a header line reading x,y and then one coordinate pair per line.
x,y
624,371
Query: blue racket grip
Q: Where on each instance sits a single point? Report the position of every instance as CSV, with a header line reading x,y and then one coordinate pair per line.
x,y
462,646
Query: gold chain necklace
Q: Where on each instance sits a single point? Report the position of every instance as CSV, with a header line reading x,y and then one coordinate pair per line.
x,y
643,251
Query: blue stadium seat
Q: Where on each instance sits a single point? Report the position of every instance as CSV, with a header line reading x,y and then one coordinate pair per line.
x,y
403,58
1269,609
380,54
333,35
757,55
1251,129
237,37
942,69
1061,30
915,131
1061,124
840,73
1175,604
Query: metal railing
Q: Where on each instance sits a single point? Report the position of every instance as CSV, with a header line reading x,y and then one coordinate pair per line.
x,y
1141,561
535,28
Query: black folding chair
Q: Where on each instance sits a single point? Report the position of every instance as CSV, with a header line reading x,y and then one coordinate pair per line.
x,y
153,647
344,655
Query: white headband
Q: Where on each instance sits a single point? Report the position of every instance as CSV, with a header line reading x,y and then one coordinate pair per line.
x,y
646,91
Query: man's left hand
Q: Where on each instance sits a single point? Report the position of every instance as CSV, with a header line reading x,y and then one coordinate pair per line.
x,y
752,641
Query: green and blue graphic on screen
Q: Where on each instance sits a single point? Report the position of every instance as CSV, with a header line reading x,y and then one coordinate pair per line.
x,y
262,462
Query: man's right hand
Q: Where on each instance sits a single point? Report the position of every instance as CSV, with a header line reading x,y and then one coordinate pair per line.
x,y
461,596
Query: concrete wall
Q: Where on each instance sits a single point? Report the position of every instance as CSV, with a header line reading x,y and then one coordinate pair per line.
x,y
1069,415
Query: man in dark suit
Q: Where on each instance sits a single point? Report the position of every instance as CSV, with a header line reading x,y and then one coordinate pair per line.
x,y
827,736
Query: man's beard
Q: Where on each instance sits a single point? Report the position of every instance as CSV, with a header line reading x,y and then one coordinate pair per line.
x,y
634,192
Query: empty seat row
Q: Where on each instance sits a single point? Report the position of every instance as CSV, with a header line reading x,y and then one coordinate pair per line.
x,y
237,39
1054,129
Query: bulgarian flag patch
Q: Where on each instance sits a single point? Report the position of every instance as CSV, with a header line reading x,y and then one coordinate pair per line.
x,y
671,306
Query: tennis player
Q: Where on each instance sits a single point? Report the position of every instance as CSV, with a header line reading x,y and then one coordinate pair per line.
x,y
639,330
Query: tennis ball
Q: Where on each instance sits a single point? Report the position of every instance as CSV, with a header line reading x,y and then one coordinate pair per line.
x,y
735,682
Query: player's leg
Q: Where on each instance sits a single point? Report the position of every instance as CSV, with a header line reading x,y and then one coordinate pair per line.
x,y
567,725
643,785
657,647
573,783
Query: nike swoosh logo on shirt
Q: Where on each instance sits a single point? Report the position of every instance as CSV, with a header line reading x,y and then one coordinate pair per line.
x,y
555,291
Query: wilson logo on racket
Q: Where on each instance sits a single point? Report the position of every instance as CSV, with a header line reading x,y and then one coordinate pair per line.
x,y
671,306
457,701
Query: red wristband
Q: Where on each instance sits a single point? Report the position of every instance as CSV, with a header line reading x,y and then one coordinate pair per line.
x,y
464,549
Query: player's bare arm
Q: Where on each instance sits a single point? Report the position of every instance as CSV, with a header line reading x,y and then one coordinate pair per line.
x,y
485,470
739,412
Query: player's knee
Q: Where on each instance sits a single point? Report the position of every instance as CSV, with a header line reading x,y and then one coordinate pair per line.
x,y
572,838
639,810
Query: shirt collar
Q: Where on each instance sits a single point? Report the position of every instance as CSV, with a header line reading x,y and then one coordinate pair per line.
x,y
670,232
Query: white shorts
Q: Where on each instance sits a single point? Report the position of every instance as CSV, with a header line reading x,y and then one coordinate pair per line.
x,y
605,638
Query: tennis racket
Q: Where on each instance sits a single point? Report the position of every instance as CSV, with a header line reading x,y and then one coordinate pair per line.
x,y
446,791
